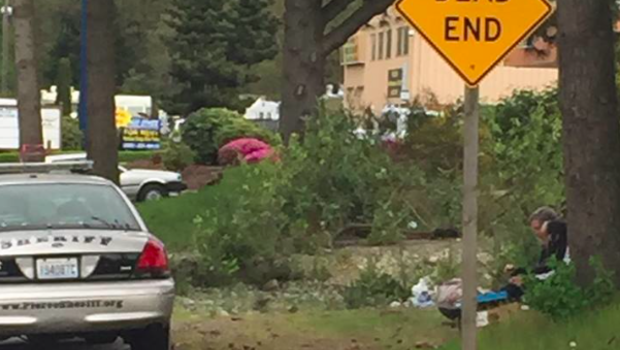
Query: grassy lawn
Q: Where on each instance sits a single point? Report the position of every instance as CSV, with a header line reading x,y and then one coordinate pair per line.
x,y
597,330
172,219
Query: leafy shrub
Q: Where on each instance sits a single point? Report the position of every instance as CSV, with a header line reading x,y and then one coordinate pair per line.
x,y
338,179
177,156
71,134
560,297
206,130
388,224
374,288
245,234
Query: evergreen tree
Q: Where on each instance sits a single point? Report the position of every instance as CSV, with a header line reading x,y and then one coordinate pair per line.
x,y
214,48
65,45
253,39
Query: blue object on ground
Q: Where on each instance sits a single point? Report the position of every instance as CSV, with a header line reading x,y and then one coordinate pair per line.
x,y
491,297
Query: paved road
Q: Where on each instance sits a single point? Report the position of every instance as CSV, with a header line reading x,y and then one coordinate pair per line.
x,y
18,345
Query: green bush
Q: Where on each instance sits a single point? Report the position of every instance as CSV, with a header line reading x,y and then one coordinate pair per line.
x,y
206,130
9,157
338,179
374,289
388,224
177,155
560,297
246,234
71,134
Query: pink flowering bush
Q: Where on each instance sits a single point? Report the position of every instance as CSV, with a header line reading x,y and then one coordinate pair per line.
x,y
247,150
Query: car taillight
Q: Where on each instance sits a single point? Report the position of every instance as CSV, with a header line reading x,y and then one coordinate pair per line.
x,y
154,260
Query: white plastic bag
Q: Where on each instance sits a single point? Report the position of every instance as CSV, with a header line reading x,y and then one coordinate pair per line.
x,y
422,296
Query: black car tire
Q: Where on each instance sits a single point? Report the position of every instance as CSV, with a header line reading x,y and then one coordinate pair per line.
x,y
101,339
148,190
41,342
152,338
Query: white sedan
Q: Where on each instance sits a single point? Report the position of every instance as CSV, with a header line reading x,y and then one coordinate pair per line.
x,y
138,184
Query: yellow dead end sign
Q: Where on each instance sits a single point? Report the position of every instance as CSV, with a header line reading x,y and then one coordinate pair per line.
x,y
473,36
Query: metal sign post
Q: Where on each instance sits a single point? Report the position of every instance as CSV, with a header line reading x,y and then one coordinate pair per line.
x,y
470,217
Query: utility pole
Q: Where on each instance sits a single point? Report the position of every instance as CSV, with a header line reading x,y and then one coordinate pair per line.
x,y
7,11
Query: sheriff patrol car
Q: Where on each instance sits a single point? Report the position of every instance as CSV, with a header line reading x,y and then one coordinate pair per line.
x,y
77,260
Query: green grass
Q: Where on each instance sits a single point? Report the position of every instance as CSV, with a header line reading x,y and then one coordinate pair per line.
x,y
172,219
597,330
124,156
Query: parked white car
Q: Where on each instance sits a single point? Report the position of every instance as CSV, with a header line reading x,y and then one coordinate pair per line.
x,y
138,184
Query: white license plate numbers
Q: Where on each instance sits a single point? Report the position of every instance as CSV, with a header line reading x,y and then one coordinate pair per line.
x,y
57,268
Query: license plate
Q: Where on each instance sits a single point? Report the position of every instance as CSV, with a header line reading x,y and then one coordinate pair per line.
x,y
57,268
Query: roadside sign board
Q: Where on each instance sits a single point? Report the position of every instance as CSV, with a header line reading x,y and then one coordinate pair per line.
x,y
141,134
474,36
51,120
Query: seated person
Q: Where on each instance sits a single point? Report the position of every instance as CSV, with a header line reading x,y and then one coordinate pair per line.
x,y
552,233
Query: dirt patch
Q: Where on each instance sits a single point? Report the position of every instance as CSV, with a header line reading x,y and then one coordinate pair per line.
x,y
337,330
198,176
195,176
239,333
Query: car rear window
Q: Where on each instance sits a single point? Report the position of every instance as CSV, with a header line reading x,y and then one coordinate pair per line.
x,y
64,206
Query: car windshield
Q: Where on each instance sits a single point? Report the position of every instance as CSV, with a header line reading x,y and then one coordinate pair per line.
x,y
64,206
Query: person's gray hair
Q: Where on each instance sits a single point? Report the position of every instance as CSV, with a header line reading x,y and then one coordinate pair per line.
x,y
544,214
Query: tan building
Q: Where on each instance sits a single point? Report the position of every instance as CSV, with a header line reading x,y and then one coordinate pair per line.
x,y
388,63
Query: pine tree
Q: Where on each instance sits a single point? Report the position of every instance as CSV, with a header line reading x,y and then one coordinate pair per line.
x,y
254,37
65,44
214,47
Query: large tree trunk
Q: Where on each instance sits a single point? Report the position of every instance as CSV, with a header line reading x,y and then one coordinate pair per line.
x,y
102,134
28,93
591,135
303,64
307,43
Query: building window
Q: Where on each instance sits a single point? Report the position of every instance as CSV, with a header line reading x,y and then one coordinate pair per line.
x,y
381,44
388,45
261,115
373,43
403,41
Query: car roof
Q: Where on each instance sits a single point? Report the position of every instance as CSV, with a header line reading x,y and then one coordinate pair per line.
x,y
25,179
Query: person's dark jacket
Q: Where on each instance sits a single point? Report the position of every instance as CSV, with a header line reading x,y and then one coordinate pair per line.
x,y
557,247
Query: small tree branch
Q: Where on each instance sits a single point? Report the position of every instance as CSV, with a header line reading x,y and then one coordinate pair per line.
x,y
334,8
339,35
